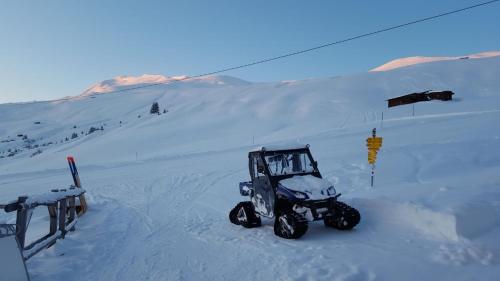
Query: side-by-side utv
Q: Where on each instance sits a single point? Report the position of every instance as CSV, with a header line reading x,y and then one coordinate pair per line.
x,y
287,186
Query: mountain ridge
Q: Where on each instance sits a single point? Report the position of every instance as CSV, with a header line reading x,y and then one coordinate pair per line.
x,y
123,82
415,60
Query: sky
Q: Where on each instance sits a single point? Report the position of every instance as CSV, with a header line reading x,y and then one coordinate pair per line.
x,y
51,49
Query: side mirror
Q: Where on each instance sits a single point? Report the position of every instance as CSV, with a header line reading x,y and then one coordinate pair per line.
x,y
246,188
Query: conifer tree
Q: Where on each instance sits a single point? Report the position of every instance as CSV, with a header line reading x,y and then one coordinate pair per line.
x,y
155,108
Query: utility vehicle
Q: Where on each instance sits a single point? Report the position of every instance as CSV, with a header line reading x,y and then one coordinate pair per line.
x,y
287,186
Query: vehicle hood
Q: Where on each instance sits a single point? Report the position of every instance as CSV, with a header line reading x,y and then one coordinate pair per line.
x,y
314,187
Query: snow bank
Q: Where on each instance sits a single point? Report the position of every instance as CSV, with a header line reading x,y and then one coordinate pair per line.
x,y
466,221
430,223
477,217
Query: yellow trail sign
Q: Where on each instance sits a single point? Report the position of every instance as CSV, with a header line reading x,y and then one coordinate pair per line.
x,y
374,144
372,156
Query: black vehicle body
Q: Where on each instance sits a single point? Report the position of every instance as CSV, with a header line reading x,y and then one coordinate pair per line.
x,y
272,170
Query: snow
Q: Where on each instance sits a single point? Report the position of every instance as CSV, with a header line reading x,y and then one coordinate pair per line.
x,y
314,187
124,82
159,187
404,62
51,197
120,81
281,146
49,240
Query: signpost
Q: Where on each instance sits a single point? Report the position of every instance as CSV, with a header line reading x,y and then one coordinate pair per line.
x,y
374,144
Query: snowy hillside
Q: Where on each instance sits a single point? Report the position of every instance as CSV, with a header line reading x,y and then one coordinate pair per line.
x,y
160,186
404,62
124,82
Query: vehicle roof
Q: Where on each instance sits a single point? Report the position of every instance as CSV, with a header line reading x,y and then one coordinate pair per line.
x,y
279,147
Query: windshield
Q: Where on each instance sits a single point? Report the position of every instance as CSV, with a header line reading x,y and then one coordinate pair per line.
x,y
288,163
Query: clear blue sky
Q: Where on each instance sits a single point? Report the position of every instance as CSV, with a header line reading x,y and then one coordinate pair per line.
x,y
51,49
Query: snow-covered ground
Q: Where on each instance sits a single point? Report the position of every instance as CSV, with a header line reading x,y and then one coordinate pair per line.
x,y
409,61
160,187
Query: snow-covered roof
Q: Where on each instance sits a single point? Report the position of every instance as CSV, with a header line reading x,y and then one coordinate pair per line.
x,y
284,146
438,91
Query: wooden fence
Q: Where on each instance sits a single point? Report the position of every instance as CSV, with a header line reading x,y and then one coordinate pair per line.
x,y
61,205
64,206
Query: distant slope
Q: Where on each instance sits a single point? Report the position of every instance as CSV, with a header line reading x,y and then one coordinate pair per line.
x,y
123,82
222,111
404,62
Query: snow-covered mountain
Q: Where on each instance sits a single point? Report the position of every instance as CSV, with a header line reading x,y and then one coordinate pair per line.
x,y
160,186
404,62
125,82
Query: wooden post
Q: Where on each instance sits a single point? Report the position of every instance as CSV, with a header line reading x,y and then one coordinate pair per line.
x,y
53,221
71,211
62,216
21,221
53,218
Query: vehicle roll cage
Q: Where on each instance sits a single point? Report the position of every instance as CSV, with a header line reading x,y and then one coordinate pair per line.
x,y
276,178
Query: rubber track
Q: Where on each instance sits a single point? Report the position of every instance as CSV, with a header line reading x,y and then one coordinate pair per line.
x,y
344,218
298,222
252,219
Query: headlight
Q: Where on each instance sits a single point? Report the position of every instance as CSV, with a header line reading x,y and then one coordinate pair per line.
x,y
331,190
299,195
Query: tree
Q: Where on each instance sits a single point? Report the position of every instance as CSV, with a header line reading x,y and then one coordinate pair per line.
x,y
91,130
155,108
36,152
74,136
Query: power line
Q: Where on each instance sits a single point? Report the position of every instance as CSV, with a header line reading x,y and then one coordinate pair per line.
x,y
313,48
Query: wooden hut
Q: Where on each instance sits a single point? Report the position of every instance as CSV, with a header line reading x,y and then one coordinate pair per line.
x,y
418,97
